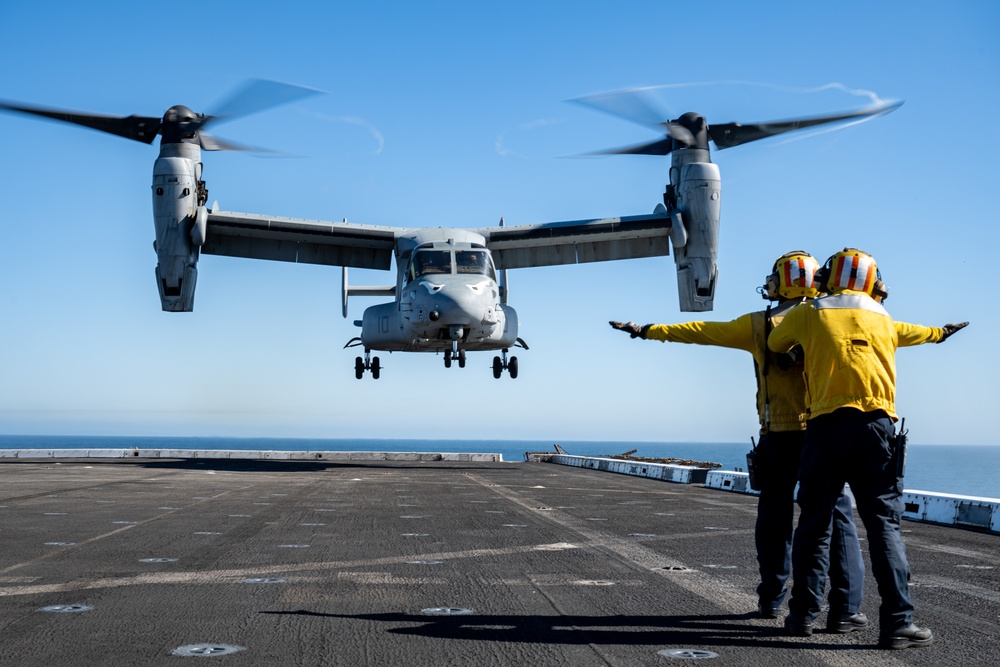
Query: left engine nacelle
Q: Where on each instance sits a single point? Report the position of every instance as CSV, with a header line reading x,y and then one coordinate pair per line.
x,y
180,219
696,244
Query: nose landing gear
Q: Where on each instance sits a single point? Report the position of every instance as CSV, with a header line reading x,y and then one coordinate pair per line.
x,y
454,354
455,332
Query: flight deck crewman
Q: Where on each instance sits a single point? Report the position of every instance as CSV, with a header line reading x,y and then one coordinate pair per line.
x,y
849,342
782,412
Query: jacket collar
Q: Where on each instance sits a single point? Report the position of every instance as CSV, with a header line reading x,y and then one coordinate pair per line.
x,y
849,299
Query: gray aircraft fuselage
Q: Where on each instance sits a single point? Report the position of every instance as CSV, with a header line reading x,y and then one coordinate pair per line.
x,y
447,297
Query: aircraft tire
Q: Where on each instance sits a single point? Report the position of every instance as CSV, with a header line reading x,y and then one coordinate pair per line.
x,y
461,358
376,368
512,367
497,367
359,368
447,359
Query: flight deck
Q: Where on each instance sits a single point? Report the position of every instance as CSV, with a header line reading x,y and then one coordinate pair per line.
x,y
158,561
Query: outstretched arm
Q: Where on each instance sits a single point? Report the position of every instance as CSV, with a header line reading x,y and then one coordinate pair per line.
x,y
736,334
916,334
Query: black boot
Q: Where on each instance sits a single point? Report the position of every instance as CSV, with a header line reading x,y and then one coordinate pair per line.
x,y
844,623
909,637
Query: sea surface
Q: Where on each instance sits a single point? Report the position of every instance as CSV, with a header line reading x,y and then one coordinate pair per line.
x,y
968,470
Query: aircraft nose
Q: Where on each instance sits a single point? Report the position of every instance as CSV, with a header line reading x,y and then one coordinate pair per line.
x,y
454,307
458,305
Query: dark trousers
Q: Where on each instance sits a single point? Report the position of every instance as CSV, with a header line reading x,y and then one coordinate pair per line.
x,y
777,467
859,448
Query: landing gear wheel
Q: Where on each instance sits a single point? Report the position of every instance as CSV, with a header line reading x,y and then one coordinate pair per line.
x,y
461,358
368,363
501,364
447,359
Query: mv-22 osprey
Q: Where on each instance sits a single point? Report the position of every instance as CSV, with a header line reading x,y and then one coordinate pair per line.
x,y
450,293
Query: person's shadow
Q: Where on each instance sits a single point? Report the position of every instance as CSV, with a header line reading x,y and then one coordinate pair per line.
x,y
733,630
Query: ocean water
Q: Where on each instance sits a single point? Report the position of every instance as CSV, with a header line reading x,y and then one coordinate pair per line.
x,y
969,470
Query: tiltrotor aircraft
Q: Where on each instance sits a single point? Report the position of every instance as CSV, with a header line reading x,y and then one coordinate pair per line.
x,y
450,293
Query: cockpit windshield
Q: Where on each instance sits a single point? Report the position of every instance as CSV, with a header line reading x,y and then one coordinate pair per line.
x,y
474,261
430,261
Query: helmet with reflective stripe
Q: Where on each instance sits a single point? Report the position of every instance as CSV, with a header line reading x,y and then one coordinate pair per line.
x,y
853,269
793,275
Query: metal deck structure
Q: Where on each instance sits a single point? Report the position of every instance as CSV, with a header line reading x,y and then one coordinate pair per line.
x,y
159,560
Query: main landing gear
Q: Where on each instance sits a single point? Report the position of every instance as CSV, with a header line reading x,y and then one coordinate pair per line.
x,y
369,363
501,364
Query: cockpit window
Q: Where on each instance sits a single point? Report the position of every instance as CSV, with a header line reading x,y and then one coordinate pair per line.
x,y
426,262
474,261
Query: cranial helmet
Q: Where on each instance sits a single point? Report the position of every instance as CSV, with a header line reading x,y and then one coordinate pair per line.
x,y
793,275
852,269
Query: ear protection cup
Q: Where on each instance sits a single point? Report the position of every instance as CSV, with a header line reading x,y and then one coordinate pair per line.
x,y
770,289
880,291
822,277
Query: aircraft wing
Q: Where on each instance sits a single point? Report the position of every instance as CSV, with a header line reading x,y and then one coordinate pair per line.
x,y
578,241
297,240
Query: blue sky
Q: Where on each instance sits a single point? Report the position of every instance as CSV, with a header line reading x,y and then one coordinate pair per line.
x,y
455,114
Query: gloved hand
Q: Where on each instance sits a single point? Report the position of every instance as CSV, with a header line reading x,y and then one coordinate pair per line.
x,y
632,328
786,360
950,329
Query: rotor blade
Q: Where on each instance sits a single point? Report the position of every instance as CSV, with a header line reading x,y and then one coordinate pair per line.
x,y
137,128
634,105
210,142
728,135
257,95
659,147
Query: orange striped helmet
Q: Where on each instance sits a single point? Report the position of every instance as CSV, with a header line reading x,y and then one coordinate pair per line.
x,y
853,269
793,275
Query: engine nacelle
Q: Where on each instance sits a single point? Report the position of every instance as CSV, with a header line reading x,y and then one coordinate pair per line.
x,y
699,194
180,218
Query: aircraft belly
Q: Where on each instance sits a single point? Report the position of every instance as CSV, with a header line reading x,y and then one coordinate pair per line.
x,y
385,328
